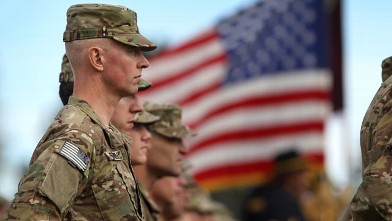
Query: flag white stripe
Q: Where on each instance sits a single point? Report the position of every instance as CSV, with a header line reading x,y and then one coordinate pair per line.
x,y
264,117
234,152
282,83
182,88
74,159
72,156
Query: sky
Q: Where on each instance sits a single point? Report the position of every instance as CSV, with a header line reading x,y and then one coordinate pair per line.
x,y
31,50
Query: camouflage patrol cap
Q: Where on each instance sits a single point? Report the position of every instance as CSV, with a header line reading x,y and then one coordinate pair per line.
x,y
145,117
87,21
386,66
170,124
66,75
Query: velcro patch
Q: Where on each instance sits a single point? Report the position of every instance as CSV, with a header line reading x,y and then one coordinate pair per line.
x,y
76,156
114,155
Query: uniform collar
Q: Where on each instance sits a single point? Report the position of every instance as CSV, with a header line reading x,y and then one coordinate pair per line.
x,y
86,108
147,199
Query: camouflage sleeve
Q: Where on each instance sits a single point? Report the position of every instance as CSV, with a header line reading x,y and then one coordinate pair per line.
x,y
373,200
54,178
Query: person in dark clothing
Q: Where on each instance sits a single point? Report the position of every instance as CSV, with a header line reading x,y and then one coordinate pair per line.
x,y
279,200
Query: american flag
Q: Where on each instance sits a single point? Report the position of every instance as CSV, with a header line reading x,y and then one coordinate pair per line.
x,y
253,85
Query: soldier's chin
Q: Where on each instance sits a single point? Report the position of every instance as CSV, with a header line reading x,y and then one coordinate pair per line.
x,y
134,89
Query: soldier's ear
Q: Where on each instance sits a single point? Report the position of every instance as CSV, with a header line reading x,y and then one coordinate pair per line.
x,y
95,56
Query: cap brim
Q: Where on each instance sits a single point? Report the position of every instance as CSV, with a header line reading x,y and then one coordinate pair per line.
x,y
145,117
135,40
189,132
144,85
179,132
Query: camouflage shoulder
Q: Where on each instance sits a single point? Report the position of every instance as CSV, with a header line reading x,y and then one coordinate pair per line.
x,y
150,204
72,119
72,130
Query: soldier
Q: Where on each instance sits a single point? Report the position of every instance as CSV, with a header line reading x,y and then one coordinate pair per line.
x,y
280,199
167,150
80,168
202,207
182,199
130,118
373,198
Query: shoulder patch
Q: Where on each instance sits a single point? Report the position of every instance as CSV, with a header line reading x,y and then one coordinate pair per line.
x,y
75,155
114,155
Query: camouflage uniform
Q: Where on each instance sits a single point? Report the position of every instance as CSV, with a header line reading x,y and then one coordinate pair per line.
x,y
81,169
169,125
202,203
150,209
373,200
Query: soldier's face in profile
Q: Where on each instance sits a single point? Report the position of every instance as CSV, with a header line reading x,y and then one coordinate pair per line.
x,y
125,65
124,114
166,155
140,144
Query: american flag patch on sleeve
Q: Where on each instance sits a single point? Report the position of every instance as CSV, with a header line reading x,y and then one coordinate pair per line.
x,y
72,153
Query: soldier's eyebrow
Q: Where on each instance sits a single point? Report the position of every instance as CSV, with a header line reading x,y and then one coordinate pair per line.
x,y
135,51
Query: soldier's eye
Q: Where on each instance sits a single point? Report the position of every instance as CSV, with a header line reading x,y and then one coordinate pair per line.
x,y
135,51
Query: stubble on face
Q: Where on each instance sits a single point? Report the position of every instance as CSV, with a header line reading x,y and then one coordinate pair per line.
x,y
124,67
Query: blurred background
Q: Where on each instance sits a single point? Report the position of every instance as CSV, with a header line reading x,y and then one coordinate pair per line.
x,y
31,50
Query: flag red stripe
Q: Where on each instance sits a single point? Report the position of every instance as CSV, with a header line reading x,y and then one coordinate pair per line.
x,y
196,42
262,166
258,133
261,100
203,91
